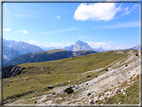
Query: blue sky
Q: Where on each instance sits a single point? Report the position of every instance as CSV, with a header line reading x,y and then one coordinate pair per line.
x,y
106,25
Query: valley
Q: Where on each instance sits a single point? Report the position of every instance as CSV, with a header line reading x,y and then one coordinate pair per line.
x,y
110,77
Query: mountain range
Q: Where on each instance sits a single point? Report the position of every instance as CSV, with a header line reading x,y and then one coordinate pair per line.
x,y
55,54
78,46
22,47
13,49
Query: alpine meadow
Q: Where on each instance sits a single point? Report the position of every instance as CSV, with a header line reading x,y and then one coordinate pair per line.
x,y
71,53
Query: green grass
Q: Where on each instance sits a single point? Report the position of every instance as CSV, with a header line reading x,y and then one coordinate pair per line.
x,y
61,71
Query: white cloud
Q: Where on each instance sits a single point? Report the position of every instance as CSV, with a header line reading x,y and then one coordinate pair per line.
x,y
126,8
96,11
130,10
58,17
7,29
126,46
61,30
84,37
120,25
135,6
100,44
118,47
110,42
122,47
55,44
68,44
31,42
24,31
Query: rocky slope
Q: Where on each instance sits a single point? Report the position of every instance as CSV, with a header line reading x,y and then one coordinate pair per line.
x,y
103,86
11,71
108,82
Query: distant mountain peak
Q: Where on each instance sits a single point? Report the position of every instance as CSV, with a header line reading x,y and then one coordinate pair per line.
x,y
79,46
80,43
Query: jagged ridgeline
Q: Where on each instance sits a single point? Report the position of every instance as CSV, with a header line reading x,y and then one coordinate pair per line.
x,y
27,83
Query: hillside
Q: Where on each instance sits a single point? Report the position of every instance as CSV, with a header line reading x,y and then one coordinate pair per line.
x,y
95,79
55,54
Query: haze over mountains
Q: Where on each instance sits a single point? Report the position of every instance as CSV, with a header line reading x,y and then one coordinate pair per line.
x,y
78,46
137,47
13,49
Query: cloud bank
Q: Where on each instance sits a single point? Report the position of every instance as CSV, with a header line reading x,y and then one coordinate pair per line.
x,y
96,11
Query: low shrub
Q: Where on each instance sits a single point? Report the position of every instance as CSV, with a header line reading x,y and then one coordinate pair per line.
x,y
136,54
88,76
88,94
53,93
69,90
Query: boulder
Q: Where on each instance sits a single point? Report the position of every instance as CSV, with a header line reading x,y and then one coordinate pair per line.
x,y
91,102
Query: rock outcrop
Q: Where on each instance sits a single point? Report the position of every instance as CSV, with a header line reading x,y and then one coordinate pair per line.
x,y
11,71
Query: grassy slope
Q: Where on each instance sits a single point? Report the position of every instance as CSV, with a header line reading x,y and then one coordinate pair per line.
x,y
61,71
40,57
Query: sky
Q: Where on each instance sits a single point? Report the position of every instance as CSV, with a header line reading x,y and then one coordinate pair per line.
x,y
106,25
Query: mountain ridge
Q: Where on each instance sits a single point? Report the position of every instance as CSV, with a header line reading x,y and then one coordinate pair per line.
x,y
13,49
55,54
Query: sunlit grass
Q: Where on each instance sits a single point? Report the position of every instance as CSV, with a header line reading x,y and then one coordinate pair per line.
x,y
58,73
